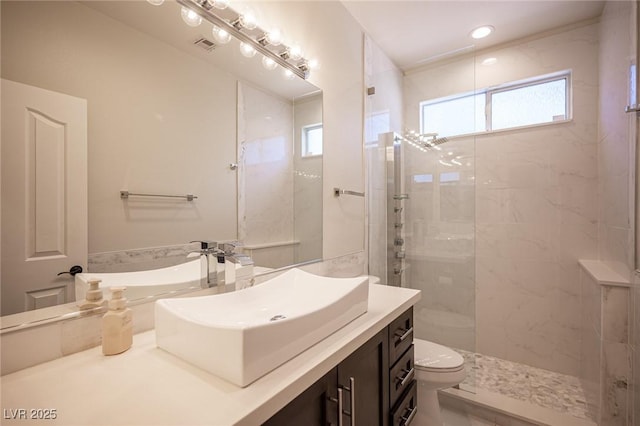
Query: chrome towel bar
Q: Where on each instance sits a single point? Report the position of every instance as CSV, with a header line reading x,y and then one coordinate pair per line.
x,y
126,194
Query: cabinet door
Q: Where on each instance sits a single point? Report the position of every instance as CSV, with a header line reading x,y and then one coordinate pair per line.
x,y
315,406
364,380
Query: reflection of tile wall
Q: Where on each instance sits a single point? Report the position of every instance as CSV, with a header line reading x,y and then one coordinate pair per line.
x,y
139,259
265,174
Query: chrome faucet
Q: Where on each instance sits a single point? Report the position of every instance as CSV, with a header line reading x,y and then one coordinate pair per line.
x,y
242,275
207,248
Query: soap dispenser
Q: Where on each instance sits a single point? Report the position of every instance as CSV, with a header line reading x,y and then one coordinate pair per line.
x,y
93,298
117,328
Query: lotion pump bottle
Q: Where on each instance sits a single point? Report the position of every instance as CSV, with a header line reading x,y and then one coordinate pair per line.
x,y
117,329
93,298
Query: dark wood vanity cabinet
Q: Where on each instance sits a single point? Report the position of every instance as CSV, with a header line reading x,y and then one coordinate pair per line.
x,y
372,386
402,377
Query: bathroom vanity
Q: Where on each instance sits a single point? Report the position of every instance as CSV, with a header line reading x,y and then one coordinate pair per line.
x,y
375,385
148,386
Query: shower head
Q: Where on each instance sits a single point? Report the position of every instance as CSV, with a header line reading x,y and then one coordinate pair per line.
x,y
434,141
438,141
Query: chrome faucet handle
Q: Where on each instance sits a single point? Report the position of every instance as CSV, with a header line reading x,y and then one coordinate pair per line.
x,y
205,244
229,247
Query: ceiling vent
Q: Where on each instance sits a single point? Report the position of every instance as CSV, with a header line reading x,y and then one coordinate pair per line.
x,y
205,43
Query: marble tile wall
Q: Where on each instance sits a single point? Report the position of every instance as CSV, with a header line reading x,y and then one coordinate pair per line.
x,y
536,214
607,344
615,150
590,339
634,331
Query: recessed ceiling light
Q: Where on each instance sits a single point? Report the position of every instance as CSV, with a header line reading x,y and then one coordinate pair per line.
x,y
482,32
489,61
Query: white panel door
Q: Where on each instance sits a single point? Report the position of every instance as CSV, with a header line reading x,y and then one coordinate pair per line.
x,y
44,195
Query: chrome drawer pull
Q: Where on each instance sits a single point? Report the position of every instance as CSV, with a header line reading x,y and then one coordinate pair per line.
x,y
407,377
335,400
404,333
352,397
340,407
408,419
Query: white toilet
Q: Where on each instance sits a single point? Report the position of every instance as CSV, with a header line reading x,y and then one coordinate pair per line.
x,y
436,367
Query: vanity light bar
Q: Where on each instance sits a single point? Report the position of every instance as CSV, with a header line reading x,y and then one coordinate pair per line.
x,y
204,9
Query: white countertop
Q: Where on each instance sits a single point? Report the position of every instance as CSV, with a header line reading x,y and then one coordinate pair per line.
x,y
148,386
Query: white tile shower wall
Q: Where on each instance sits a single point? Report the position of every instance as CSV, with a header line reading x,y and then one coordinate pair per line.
x,y
615,367
615,157
535,200
606,334
34,345
634,388
590,339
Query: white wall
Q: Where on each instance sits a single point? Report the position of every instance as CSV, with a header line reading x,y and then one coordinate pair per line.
x,y
155,125
535,201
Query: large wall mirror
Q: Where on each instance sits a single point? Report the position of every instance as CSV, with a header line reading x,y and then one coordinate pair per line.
x,y
166,114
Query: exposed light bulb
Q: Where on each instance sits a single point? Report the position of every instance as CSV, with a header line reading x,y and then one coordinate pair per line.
x,y
248,20
220,4
288,74
482,32
155,2
247,50
295,52
190,17
269,63
273,37
220,35
313,64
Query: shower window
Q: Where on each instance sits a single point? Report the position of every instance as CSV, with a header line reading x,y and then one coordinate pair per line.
x,y
544,99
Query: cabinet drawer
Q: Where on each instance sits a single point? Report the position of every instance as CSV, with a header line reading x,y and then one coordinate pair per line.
x,y
400,335
401,375
407,409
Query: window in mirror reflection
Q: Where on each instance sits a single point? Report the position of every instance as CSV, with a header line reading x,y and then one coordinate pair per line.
x,y
312,140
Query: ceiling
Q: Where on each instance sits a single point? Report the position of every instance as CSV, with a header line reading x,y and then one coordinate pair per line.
x,y
413,33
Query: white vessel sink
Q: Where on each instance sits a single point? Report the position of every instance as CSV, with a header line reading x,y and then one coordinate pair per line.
x,y
149,282
241,336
